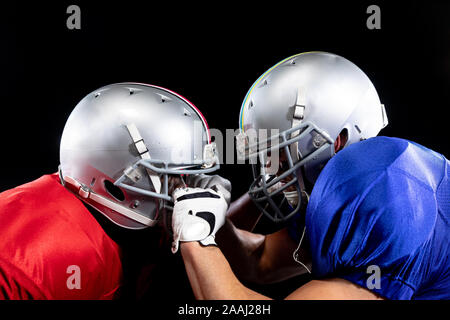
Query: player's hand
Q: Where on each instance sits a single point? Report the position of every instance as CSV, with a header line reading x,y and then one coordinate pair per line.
x,y
215,182
197,215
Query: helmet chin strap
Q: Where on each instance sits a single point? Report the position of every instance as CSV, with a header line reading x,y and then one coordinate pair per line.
x,y
297,119
143,152
291,197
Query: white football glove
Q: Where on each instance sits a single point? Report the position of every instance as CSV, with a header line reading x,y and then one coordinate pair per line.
x,y
197,215
215,182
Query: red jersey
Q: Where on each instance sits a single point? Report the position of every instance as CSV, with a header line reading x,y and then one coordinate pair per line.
x,y
52,247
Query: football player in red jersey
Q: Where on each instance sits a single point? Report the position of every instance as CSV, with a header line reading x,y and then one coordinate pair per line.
x,y
121,147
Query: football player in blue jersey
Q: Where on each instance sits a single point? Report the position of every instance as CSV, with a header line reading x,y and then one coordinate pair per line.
x,y
367,215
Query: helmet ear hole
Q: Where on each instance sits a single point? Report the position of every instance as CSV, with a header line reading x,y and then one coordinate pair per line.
x,y
113,190
341,140
344,137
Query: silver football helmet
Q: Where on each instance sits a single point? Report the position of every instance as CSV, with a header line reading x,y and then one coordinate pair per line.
x,y
308,99
121,143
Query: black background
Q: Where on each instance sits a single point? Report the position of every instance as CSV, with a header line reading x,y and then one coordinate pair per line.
x,y
211,53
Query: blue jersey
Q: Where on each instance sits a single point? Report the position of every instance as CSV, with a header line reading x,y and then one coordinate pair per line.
x,y
383,202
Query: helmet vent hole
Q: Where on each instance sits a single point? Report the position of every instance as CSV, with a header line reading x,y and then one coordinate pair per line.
x,y
264,83
163,98
92,182
114,191
251,104
186,113
357,128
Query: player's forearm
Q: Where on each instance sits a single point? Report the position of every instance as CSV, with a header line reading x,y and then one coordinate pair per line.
x,y
243,213
243,251
261,259
211,276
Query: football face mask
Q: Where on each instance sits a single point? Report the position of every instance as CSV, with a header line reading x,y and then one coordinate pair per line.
x,y
278,188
